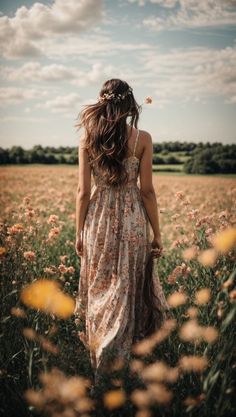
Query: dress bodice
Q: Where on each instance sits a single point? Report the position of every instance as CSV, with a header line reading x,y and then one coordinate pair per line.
x,y
131,163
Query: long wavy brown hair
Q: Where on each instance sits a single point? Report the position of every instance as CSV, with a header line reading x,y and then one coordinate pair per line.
x,y
106,132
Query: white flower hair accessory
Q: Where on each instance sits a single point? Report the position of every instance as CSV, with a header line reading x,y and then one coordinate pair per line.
x,y
115,97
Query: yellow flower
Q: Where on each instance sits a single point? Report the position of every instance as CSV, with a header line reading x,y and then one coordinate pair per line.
x,y
136,365
209,334
207,257
202,296
140,397
29,333
159,371
144,346
232,294
159,392
193,363
189,253
114,399
176,299
190,330
225,240
192,312
46,295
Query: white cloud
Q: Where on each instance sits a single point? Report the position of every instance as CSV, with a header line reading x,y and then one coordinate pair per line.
x,y
190,14
191,74
140,2
163,3
61,104
22,119
24,31
100,72
97,73
90,46
12,95
34,71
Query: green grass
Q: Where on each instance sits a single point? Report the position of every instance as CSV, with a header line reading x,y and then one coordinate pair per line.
x,y
165,167
178,155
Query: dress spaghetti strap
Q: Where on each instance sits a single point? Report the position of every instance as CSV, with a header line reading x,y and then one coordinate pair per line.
x,y
136,141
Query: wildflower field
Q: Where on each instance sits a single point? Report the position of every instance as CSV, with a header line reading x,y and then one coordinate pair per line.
x,y
184,369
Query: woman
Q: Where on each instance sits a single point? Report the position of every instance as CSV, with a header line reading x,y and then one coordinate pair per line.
x,y
112,226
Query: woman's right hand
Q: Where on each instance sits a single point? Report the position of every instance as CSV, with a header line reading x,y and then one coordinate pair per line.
x,y
157,247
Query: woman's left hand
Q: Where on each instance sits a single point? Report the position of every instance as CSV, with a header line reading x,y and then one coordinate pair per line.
x,y
79,245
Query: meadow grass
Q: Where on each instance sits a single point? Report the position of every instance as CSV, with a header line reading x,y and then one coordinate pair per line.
x,y
186,369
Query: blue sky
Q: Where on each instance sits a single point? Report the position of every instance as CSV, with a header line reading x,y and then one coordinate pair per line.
x,y
55,56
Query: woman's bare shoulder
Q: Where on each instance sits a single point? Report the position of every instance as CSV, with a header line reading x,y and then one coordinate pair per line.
x,y
145,141
145,138
145,134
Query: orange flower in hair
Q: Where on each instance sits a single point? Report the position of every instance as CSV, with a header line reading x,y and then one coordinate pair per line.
x,y
148,100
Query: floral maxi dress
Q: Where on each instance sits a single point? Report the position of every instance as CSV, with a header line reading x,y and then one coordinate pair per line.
x,y
116,243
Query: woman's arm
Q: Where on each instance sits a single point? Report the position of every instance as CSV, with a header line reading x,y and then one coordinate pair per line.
x,y
146,187
83,189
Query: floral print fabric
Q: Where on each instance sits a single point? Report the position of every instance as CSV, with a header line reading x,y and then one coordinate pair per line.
x,y
116,243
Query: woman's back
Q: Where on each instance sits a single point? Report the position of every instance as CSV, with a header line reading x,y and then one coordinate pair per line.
x,y
139,145
131,162
115,235
116,244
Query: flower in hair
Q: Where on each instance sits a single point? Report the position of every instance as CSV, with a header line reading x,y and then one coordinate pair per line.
x,y
148,100
115,97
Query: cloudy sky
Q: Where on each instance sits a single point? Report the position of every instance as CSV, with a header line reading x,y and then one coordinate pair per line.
x,y
55,56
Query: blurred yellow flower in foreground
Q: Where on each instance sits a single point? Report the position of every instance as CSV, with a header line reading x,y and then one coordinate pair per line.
x,y
192,312
189,253
193,363
160,371
141,398
159,393
192,331
176,299
47,296
225,240
60,395
207,257
202,296
145,346
114,399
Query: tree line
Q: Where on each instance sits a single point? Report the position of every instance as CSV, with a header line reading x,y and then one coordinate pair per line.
x,y
195,158
212,159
